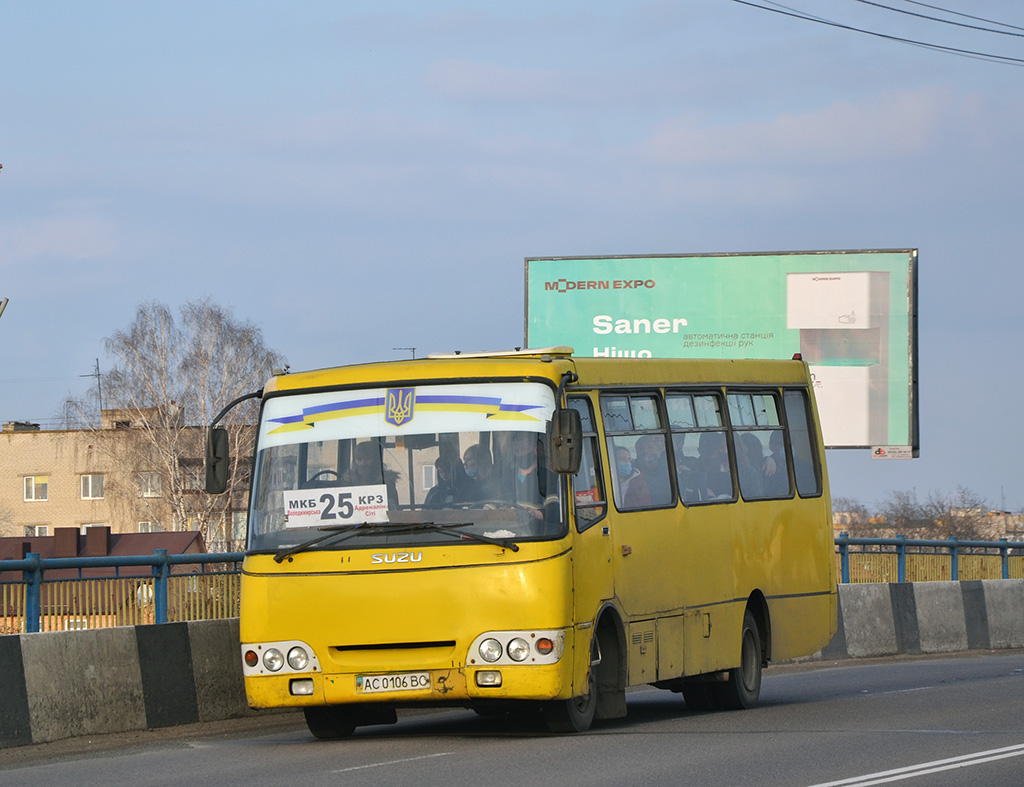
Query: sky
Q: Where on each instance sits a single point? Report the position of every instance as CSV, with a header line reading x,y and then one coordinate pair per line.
x,y
359,177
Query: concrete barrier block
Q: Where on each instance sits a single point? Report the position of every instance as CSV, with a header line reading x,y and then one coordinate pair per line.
x,y
165,662
1004,605
216,660
904,614
15,724
940,616
975,614
83,683
867,620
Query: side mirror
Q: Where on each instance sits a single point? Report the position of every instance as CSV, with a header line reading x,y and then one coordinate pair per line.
x,y
218,458
565,442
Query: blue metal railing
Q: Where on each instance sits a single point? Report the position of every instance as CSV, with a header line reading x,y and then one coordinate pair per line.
x,y
33,568
902,546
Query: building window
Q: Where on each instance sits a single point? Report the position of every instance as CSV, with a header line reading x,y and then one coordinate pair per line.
x,y
92,524
429,477
239,520
36,487
150,485
149,527
92,486
37,530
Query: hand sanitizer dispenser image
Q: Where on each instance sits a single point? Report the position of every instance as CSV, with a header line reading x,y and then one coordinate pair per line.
x,y
843,319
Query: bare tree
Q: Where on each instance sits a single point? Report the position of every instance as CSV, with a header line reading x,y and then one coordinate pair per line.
x,y
167,381
962,514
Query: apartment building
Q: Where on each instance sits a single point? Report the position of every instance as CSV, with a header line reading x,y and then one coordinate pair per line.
x,y
86,478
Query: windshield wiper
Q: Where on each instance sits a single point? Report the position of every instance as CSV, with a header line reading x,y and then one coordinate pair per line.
x,y
344,532
341,532
450,530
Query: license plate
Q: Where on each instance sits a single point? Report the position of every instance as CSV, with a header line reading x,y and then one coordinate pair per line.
x,y
404,681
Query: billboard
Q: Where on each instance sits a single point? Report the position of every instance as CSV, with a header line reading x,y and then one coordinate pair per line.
x,y
851,314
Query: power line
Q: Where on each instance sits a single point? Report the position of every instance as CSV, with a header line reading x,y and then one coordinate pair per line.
x,y
999,59
965,16
937,19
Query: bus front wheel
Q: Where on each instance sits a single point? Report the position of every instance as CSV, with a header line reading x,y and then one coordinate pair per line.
x,y
743,686
576,714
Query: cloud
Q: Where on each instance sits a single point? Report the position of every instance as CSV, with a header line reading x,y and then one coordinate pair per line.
x,y
467,80
894,125
70,237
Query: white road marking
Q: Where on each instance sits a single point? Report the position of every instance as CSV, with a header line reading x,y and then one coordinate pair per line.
x,y
391,762
924,768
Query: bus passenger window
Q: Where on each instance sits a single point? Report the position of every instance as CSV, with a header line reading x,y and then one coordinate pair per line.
x,y
637,451
761,464
587,488
805,468
701,453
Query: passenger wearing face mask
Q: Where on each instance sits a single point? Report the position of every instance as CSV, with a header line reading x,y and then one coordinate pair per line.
x,y
533,490
631,489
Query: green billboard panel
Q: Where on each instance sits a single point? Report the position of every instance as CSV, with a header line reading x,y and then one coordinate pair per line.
x,y
851,314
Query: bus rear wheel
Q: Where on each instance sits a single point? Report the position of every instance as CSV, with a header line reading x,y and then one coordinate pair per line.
x,y
743,686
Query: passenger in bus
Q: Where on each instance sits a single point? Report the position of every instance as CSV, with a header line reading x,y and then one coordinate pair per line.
x,y
452,484
529,488
630,482
479,471
652,462
749,460
686,475
712,463
775,470
368,469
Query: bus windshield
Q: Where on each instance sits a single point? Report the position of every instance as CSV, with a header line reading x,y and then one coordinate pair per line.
x,y
426,464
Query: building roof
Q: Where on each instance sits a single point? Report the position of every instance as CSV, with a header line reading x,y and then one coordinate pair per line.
x,y
100,542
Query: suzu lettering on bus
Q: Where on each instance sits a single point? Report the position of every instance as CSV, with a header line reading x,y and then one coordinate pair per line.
x,y
605,324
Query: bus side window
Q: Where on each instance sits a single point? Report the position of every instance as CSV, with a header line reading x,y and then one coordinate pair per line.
x,y
758,444
587,487
701,454
805,465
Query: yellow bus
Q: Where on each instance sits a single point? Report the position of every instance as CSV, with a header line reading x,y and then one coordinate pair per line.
x,y
531,531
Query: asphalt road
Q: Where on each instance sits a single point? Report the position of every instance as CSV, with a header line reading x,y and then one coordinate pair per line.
x,y
924,721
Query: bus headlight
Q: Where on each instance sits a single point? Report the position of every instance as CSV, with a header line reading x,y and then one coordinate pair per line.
x,y
272,659
518,649
298,659
490,650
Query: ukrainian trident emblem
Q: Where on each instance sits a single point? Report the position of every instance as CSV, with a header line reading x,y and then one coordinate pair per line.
x,y
399,405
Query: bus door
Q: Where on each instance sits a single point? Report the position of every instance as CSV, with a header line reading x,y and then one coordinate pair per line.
x,y
592,550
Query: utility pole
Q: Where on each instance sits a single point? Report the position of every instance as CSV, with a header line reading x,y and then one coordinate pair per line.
x,y
99,387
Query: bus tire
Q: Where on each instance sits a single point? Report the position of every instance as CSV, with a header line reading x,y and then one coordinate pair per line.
x,y
575,714
743,686
329,722
572,715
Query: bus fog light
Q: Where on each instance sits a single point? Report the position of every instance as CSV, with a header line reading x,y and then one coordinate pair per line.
x,y
490,650
298,659
518,649
303,687
273,660
490,678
